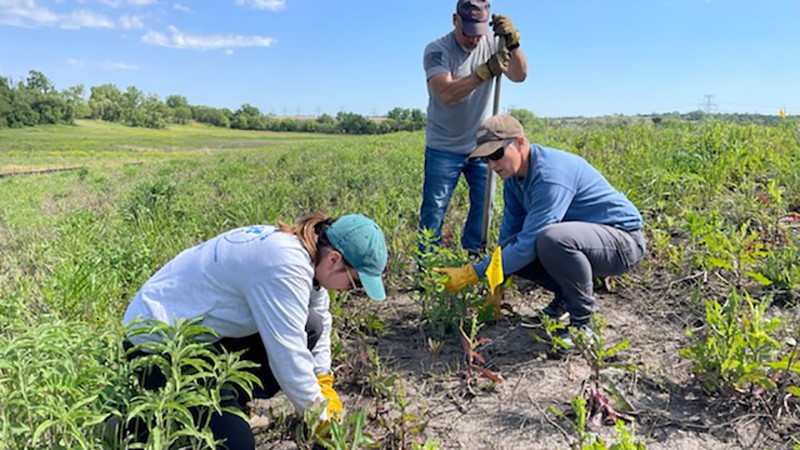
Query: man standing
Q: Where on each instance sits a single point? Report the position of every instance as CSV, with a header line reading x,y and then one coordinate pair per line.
x,y
460,68
563,223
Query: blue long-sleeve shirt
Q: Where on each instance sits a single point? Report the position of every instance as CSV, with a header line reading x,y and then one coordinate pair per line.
x,y
559,187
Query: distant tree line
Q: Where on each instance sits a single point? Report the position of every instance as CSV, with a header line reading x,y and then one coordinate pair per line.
x,y
35,101
669,119
699,115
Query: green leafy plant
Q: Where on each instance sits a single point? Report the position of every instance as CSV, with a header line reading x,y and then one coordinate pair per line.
x,y
585,439
380,382
734,349
605,371
428,445
312,429
348,433
343,433
51,378
197,380
408,422
551,330
442,310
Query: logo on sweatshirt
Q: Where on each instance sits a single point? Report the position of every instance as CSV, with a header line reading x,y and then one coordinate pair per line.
x,y
248,234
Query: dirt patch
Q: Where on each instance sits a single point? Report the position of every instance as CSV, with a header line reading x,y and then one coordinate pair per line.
x,y
670,412
7,171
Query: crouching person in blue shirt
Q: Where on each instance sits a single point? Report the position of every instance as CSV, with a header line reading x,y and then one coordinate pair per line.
x,y
264,290
563,223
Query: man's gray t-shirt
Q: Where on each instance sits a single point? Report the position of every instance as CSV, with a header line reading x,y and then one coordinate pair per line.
x,y
453,128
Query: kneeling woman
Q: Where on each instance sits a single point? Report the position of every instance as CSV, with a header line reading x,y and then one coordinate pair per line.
x,y
264,290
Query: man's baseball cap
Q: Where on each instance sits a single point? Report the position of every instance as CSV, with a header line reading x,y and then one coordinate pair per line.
x,y
474,16
361,243
493,131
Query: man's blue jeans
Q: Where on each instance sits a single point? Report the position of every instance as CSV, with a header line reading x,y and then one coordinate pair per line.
x,y
442,171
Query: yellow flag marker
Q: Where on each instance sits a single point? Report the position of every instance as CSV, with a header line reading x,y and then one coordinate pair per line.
x,y
783,113
494,273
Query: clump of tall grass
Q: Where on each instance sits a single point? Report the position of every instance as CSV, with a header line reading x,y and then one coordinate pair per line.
x,y
63,385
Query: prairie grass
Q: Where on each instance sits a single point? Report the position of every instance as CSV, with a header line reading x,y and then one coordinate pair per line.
x,y
75,246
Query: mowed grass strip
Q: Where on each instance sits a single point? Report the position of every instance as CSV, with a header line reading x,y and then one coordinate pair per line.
x,y
96,143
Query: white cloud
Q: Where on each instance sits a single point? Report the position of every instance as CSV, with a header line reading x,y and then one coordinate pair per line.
x,y
111,65
25,13
178,39
76,63
131,22
182,8
104,65
272,5
111,3
118,3
85,19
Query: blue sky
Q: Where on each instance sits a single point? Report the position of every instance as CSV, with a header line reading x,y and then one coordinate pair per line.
x,y
586,57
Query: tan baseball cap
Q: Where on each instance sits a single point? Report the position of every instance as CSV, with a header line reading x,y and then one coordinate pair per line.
x,y
493,132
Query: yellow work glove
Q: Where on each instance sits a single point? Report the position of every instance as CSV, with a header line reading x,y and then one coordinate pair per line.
x,y
460,277
334,405
503,26
495,66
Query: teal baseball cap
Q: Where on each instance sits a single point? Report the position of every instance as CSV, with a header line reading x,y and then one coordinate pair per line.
x,y
361,243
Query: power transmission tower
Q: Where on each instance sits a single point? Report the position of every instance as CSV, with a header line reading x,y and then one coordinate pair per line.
x,y
709,106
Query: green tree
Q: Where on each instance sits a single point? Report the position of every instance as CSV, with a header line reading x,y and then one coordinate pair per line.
x,y
5,101
177,101
182,114
248,110
399,114
352,123
106,103
38,82
74,96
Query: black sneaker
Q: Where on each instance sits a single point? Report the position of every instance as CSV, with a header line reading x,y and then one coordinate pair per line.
x,y
566,338
554,311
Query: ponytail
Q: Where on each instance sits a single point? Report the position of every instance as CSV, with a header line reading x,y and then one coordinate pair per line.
x,y
310,229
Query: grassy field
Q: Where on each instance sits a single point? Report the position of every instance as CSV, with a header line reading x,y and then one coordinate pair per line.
x,y
101,144
723,263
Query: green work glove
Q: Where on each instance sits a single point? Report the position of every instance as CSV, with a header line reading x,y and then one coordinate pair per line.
x,y
495,66
459,277
334,405
503,27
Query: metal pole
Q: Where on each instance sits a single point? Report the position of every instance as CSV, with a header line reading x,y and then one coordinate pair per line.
x,y
488,198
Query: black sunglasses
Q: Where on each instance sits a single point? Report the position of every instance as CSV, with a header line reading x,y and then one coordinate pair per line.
x,y
498,154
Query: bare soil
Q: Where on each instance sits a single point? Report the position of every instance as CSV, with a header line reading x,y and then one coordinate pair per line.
x,y
670,411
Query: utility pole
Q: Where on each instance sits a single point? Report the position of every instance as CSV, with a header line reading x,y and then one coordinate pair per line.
x,y
709,106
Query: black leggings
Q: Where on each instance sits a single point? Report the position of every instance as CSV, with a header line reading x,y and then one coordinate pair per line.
x,y
230,427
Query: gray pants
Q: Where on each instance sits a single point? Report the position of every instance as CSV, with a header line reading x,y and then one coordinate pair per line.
x,y
570,254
